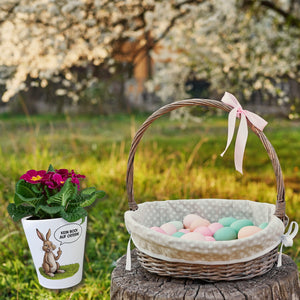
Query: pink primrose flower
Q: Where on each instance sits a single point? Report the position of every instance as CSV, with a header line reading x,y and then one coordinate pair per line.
x,y
57,178
76,177
53,180
47,180
33,176
64,173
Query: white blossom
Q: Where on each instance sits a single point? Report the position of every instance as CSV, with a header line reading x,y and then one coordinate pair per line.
x,y
217,41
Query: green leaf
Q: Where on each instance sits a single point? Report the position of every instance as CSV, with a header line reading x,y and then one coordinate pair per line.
x,y
37,205
19,212
76,201
20,200
67,193
35,189
24,192
48,193
51,169
100,194
88,191
85,199
76,214
51,210
90,200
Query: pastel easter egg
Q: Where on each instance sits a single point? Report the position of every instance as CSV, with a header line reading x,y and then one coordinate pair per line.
x,y
199,222
213,227
204,230
237,225
158,229
188,219
248,231
193,236
263,225
177,224
168,228
225,234
178,234
184,230
227,221
209,238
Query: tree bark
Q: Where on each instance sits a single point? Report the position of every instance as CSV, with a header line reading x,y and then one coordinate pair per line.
x,y
280,283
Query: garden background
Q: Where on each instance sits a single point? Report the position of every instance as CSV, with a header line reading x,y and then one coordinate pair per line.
x,y
78,78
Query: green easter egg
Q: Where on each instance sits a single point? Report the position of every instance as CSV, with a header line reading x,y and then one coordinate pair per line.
x,y
177,224
237,225
178,234
263,225
225,234
227,221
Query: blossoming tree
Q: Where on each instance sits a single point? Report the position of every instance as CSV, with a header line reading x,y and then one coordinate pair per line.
x,y
245,47
72,41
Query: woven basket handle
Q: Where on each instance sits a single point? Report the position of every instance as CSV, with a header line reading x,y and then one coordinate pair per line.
x,y
280,202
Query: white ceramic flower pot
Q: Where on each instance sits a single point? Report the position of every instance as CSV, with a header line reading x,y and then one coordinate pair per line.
x,y
57,249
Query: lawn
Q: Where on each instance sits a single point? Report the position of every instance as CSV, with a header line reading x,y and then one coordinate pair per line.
x,y
175,160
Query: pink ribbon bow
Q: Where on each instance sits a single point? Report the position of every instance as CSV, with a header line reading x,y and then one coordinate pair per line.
x,y
242,134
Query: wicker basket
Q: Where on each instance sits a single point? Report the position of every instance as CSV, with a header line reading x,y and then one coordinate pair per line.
x,y
167,260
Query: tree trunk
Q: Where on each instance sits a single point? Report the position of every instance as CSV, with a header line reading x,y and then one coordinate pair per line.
x,y
280,283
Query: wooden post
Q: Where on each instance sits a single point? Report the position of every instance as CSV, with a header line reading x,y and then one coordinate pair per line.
x,y
280,283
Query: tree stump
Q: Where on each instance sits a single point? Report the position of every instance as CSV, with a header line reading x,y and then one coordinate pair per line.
x,y
280,283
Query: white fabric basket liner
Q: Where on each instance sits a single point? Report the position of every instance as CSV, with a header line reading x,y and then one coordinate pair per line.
x,y
174,249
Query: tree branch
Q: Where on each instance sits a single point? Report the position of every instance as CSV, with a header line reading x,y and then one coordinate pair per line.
x,y
8,12
288,16
151,43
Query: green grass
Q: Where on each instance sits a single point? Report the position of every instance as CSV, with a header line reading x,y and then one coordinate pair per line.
x,y
70,270
172,162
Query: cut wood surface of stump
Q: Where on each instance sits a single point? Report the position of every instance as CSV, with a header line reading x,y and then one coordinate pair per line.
x,y
280,284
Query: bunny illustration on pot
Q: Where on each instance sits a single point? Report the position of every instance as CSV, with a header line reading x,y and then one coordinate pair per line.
x,y
50,264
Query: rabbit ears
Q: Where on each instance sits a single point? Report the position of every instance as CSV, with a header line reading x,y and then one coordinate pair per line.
x,y
41,236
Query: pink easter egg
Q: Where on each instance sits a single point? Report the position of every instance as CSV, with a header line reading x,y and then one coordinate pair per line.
x,y
169,228
213,227
188,219
184,230
158,229
199,222
248,231
209,238
203,230
193,236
